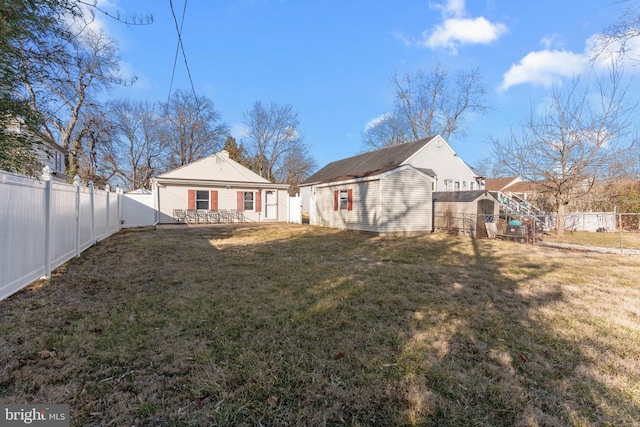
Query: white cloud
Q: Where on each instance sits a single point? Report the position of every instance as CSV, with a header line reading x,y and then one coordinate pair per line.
x,y
613,52
456,29
450,7
550,41
376,121
544,68
549,66
239,131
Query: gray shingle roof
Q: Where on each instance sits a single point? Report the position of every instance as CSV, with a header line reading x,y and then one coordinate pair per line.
x,y
370,163
458,196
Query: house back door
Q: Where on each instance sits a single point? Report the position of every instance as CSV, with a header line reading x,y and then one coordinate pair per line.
x,y
270,205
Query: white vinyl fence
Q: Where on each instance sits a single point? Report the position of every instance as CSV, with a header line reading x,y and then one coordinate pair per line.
x,y
44,223
138,210
295,209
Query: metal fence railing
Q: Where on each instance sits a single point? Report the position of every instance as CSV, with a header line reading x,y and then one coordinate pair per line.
x,y
606,232
619,232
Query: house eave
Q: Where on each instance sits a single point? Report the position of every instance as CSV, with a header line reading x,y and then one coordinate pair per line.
x,y
227,184
371,176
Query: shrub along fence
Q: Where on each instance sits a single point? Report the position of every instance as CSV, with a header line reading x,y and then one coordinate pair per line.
x,y
44,223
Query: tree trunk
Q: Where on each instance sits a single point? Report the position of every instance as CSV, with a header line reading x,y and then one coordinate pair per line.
x,y
560,220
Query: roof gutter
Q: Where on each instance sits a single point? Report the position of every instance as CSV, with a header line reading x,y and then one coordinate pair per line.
x,y
227,184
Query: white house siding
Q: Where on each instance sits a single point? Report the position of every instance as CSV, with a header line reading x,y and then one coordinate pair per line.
x,y
442,160
172,197
406,203
365,213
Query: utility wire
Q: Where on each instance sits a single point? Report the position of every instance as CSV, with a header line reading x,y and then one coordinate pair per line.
x,y
179,47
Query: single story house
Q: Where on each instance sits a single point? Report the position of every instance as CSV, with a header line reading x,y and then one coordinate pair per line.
x,y
390,188
393,200
465,212
215,183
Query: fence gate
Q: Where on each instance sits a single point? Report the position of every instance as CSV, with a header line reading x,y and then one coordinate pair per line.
x,y
295,210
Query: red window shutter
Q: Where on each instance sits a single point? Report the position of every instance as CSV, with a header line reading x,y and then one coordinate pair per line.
x,y
191,200
258,201
349,199
214,200
335,200
240,201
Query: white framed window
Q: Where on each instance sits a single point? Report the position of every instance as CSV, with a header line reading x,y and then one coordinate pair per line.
x,y
448,184
456,186
248,200
343,200
472,185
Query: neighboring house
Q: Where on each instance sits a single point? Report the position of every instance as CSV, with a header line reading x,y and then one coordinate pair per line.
x,y
49,153
53,156
525,190
387,190
217,182
466,212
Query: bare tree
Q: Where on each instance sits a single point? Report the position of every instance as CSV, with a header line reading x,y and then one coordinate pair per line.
x,y
620,35
428,103
296,167
570,145
273,133
391,129
135,152
192,128
90,66
94,134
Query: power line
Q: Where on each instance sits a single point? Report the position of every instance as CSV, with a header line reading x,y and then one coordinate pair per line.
x,y
180,47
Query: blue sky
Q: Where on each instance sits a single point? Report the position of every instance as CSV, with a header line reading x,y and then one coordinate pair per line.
x,y
332,60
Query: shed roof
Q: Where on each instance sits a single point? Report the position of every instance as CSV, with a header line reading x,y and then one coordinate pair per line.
x,y
370,163
459,196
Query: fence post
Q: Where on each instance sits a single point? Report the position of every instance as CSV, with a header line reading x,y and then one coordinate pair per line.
x,y
48,192
93,213
620,222
119,195
76,182
107,190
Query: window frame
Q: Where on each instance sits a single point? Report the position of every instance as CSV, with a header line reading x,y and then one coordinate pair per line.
x,y
246,201
202,203
343,202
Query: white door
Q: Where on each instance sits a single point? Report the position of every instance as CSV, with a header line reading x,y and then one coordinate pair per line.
x,y
270,205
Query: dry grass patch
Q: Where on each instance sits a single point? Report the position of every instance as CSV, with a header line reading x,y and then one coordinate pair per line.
x,y
296,325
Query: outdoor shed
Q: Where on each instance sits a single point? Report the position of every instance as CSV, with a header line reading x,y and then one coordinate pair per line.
x,y
394,200
465,212
217,183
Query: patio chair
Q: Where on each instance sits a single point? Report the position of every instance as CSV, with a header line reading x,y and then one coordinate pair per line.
x,y
203,216
214,217
191,216
225,215
179,215
237,215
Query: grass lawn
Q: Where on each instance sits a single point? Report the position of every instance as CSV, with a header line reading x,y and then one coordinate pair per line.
x,y
298,325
